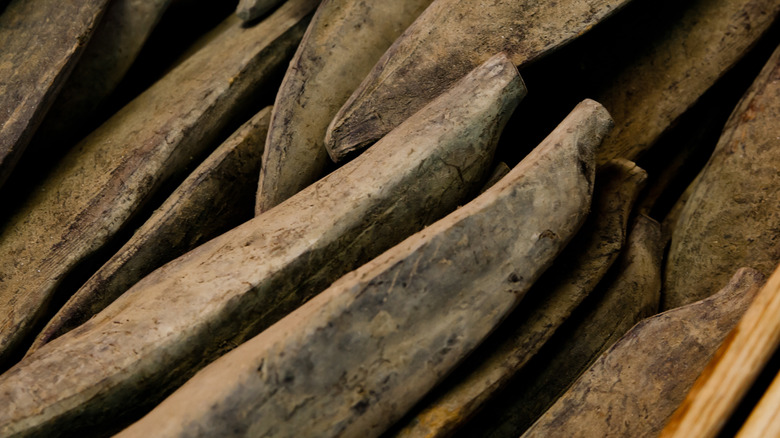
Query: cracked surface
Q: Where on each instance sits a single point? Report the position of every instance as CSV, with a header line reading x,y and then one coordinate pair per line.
x,y
356,357
195,308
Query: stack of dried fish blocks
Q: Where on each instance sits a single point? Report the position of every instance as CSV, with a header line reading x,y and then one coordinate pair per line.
x,y
418,218
318,82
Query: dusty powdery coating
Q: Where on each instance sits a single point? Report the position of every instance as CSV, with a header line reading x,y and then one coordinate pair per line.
x,y
355,358
732,217
206,302
727,378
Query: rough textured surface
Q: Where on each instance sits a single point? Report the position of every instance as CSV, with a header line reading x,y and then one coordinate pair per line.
x,y
627,294
344,40
653,92
117,41
549,303
355,358
41,41
216,197
732,215
446,41
109,175
636,385
732,370
249,10
206,302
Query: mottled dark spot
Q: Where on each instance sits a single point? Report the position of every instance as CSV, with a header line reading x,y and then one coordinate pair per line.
x,y
548,234
514,278
360,407
584,167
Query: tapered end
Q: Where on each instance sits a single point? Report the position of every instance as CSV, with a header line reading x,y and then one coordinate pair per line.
x,y
601,122
624,173
39,342
54,329
249,10
347,135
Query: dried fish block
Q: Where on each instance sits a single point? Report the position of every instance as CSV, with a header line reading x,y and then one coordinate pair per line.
x,y
97,188
356,357
211,201
195,308
731,217
344,40
450,38
636,385
549,303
